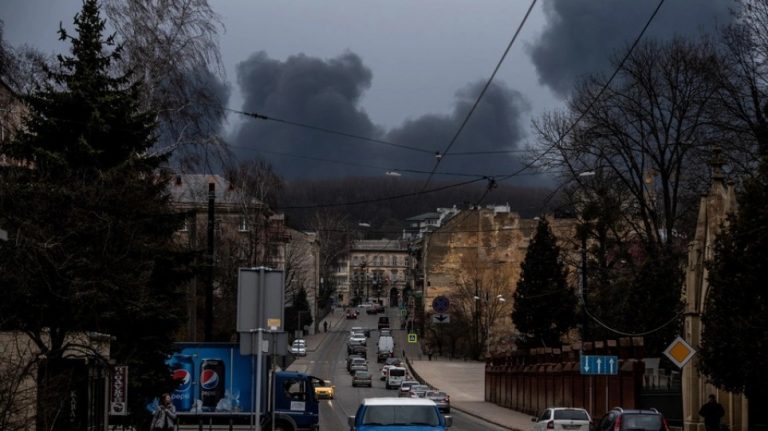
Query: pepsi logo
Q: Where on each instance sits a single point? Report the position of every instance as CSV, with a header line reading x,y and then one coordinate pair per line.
x,y
209,379
183,377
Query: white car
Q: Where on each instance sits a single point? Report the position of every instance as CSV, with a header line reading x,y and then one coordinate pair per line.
x,y
562,419
357,339
298,348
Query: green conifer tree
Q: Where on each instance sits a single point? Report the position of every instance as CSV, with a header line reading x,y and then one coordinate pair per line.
x,y
545,306
91,227
734,347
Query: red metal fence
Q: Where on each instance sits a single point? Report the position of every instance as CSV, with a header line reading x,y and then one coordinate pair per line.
x,y
531,381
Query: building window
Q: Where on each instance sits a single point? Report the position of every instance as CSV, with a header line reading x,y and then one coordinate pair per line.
x,y
394,260
185,226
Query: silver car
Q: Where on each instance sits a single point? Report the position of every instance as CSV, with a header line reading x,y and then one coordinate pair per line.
x,y
441,399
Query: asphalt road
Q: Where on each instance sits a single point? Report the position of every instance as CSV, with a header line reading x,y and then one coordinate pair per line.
x,y
328,361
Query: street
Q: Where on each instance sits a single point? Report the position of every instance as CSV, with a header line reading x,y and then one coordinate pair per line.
x,y
328,361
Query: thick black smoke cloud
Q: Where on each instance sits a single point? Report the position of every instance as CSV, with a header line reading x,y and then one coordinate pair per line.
x,y
322,93
581,35
327,93
494,126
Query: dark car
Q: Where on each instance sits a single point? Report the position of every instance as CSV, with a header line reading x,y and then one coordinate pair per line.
x,y
351,314
374,309
441,399
358,350
635,420
383,322
362,378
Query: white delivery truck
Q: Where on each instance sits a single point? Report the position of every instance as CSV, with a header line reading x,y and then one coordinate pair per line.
x,y
386,347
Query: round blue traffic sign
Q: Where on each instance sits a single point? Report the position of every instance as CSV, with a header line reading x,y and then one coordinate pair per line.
x,y
440,304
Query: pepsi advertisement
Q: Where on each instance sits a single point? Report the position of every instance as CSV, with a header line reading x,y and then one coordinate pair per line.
x,y
212,378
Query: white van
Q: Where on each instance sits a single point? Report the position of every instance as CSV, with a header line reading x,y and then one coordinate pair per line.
x,y
395,376
386,347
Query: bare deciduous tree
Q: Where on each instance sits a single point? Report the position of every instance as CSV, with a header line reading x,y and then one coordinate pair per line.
x,y
648,132
172,45
482,295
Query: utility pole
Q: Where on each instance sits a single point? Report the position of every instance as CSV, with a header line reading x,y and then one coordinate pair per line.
x,y
209,263
585,318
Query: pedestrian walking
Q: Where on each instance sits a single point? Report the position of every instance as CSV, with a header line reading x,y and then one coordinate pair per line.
x,y
164,418
325,326
712,411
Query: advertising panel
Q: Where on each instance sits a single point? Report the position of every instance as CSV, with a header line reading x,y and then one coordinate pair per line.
x,y
118,393
212,378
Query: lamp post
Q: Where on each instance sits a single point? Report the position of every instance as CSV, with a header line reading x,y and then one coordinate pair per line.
x,y
584,317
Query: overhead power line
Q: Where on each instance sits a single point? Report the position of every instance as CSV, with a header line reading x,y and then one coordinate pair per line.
x,y
382,199
329,131
592,103
442,155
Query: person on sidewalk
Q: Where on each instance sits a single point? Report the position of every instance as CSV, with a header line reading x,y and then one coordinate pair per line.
x,y
325,326
712,411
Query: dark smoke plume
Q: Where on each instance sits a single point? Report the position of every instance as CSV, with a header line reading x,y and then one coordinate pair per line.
x,y
327,93
580,35
322,93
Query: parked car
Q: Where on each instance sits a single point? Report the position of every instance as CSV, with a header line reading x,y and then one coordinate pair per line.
x,y
352,314
441,399
635,420
373,309
405,387
362,378
298,347
419,391
400,414
562,418
324,390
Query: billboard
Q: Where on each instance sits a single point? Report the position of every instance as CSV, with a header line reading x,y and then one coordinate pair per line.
x,y
213,377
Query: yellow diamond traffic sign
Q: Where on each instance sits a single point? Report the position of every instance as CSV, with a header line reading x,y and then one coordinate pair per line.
x,y
679,352
411,338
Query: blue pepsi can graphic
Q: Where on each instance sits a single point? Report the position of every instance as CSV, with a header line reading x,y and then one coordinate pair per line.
x,y
183,369
212,374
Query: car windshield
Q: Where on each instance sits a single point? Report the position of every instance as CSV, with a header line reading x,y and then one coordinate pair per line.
x,y
397,372
401,415
639,421
362,374
572,414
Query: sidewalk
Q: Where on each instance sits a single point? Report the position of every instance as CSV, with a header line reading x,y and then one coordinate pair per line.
x,y
465,383
314,341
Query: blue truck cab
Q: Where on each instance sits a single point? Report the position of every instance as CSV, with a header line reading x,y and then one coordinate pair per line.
x,y
295,400
398,414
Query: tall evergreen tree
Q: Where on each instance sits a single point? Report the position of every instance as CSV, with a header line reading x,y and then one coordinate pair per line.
x,y
90,226
734,347
298,311
545,306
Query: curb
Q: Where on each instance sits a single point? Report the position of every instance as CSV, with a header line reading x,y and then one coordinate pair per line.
x,y
453,407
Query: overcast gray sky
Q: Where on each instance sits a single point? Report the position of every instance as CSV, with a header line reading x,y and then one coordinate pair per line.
x,y
401,70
